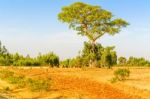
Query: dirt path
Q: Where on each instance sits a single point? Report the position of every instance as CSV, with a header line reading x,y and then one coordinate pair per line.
x,y
93,89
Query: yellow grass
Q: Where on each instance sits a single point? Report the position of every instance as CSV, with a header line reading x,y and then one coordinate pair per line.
x,y
84,83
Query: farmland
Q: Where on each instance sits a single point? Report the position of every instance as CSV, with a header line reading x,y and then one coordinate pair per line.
x,y
78,83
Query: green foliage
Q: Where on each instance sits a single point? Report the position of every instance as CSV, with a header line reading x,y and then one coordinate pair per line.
x,y
109,57
49,59
102,57
76,62
65,63
27,62
122,61
5,59
39,85
21,81
12,78
90,21
133,61
91,55
122,74
18,80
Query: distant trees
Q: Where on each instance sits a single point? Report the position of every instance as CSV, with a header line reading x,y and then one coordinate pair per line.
x,y
109,57
4,56
7,59
133,61
92,22
65,63
104,57
50,59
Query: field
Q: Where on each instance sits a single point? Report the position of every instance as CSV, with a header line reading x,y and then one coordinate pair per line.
x,y
78,83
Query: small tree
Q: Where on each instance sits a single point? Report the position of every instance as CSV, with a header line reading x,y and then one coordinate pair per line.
x,y
122,60
49,59
109,57
90,21
88,55
5,57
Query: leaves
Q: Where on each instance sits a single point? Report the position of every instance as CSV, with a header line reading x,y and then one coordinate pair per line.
x,y
90,21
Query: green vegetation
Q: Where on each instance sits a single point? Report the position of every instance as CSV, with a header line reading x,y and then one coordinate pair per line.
x,y
21,82
122,74
104,57
90,21
133,61
39,85
7,59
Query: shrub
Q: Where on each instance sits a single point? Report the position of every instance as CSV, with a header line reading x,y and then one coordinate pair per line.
x,y
122,74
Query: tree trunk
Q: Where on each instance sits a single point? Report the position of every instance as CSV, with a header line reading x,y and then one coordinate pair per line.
x,y
93,61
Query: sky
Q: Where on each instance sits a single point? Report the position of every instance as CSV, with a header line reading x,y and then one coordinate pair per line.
x,y
32,26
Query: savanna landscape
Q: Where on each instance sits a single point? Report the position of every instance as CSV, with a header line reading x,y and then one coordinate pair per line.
x,y
96,72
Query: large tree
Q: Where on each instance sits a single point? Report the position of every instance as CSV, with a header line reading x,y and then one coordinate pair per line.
x,y
90,21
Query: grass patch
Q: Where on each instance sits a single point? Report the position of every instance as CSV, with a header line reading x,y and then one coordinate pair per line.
x,y
21,82
4,74
39,85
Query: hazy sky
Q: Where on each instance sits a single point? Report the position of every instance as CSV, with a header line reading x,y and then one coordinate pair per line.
x,y
31,26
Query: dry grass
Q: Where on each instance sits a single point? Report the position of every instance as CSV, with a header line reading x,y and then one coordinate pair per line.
x,y
84,84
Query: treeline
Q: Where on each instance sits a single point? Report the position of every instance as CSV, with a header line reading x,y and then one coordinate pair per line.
x,y
103,57
98,57
133,61
7,59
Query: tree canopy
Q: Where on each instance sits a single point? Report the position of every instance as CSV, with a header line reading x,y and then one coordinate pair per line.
x,y
90,21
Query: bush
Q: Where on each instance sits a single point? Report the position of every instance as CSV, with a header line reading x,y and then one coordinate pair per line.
x,y
122,74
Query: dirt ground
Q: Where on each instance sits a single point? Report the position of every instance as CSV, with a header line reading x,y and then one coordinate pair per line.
x,y
83,83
